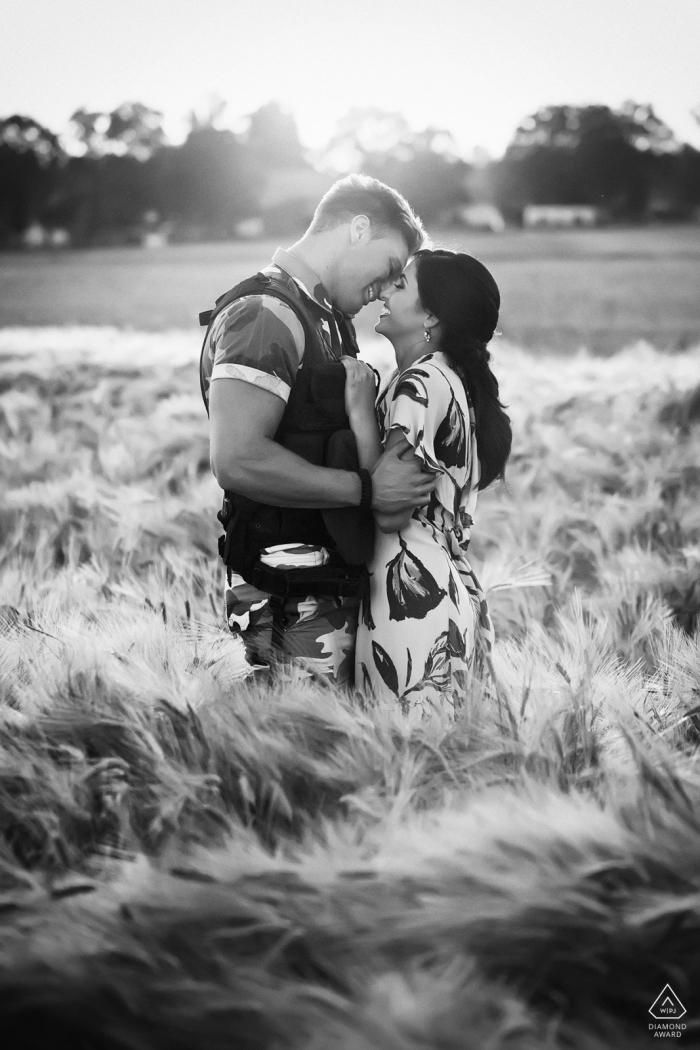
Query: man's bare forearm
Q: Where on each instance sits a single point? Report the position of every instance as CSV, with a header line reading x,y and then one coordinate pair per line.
x,y
276,476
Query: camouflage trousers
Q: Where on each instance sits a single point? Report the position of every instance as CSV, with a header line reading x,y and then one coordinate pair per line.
x,y
316,633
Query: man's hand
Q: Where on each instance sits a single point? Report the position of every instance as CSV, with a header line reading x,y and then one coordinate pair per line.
x,y
399,483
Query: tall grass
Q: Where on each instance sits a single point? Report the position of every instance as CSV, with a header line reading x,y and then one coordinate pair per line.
x,y
188,859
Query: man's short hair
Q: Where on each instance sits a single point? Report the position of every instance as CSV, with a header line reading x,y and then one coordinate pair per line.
x,y
385,208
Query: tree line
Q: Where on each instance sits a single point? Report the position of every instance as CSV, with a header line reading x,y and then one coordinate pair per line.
x,y
114,175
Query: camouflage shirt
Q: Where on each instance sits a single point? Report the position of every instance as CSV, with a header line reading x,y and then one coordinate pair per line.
x,y
260,340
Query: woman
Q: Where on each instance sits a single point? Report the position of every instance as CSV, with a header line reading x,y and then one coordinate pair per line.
x,y
425,615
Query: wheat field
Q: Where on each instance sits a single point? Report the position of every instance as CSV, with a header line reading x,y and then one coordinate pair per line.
x,y
192,860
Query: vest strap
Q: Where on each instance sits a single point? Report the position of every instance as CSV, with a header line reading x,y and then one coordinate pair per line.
x,y
340,582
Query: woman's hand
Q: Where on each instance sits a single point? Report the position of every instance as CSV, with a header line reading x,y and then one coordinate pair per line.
x,y
360,389
360,394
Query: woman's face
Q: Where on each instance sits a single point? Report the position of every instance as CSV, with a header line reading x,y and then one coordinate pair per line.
x,y
403,316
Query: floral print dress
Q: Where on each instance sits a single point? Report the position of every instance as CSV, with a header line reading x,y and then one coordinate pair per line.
x,y
425,615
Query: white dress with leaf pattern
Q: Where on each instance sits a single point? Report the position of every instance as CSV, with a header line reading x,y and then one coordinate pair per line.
x,y
425,610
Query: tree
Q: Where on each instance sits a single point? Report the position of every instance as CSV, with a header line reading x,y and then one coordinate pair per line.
x,y
107,184
29,157
585,155
207,182
424,166
568,127
273,139
131,129
366,135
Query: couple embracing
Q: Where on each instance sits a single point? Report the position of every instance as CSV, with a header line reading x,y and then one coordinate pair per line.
x,y
348,509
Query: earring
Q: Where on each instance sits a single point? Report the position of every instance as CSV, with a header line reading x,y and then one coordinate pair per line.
x,y
428,335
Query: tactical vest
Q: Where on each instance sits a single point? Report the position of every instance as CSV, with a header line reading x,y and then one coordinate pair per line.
x,y
314,412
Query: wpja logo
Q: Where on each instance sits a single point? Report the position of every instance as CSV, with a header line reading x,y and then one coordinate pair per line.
x,y
667,1010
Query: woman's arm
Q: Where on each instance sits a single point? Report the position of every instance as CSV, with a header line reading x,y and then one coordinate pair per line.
x,y
360,395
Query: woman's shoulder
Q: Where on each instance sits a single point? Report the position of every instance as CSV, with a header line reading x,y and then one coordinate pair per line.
x,y
432,366
436,362
437,373
428,380
428,384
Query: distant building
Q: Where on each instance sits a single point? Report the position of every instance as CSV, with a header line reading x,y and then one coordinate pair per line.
x,y
34,236
155,239
481,217
37,236
560,215
250,229
59,238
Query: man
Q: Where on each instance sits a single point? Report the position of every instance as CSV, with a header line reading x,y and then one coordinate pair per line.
x,y
359,240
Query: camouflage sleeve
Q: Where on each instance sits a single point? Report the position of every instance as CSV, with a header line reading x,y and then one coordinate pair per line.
x,y
257,339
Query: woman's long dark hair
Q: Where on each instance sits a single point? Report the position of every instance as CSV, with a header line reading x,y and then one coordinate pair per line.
x,y
461,293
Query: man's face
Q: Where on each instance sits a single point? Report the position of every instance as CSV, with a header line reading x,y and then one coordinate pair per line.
x,y
366,267
402,316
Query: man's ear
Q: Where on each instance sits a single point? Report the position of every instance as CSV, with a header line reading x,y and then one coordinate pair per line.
x,y
360,229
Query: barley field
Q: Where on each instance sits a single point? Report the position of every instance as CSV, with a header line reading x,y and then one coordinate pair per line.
x,y
193,861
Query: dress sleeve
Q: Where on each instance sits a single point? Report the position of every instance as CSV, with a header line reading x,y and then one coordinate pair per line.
x,y
260,340
424,408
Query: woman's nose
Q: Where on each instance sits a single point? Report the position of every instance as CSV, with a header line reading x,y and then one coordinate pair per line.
x,y
385,293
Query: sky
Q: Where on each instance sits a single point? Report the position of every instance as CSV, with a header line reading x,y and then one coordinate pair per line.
x,y
474,68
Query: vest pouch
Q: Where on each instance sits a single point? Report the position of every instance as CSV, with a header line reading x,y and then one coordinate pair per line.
x,y
352,529
310,446
252,526
249,526
327,388
337,581
265,526
299,525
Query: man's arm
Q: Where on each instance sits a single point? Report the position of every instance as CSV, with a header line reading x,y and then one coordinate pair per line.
x,y
246,459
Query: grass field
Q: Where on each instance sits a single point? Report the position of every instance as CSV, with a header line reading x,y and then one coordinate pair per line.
x,y
194,862
601,289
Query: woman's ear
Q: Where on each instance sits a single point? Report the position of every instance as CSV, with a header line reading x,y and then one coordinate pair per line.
x,y
431,321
